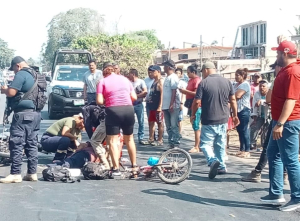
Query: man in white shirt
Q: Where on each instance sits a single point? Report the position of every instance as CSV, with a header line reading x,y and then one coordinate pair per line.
x,y
91,79
260,111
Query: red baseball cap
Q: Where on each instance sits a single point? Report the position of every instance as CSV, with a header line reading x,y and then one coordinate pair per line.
x,y
287,47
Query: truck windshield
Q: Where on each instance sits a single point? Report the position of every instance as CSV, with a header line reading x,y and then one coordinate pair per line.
x,y
71,74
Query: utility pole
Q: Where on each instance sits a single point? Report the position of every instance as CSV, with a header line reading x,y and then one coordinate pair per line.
x,y
201,52
169,50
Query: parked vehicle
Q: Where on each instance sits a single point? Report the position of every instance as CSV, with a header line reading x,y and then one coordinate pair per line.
x,y
65,90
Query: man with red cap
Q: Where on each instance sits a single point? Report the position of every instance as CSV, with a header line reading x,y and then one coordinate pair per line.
x,y
284,143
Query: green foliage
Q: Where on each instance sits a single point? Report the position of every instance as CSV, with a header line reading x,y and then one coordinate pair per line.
x,y
297,30
31,61
6,54
67,26
132,50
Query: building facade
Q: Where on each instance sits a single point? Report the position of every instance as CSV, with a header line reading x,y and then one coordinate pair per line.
x,y
190,54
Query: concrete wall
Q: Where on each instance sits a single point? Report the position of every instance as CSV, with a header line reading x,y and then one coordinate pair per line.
x,y
193,53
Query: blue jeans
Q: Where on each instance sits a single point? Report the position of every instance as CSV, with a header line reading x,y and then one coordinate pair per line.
x,y
213,142
91,97
139,111
284,152
243,129
171,121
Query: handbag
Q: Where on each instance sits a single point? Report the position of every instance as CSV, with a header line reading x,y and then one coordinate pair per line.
x,y
188,103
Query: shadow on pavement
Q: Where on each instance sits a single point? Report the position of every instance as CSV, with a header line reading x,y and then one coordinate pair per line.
x,y
253,190
202,200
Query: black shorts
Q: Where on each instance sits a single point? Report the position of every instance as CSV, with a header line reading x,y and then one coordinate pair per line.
x,y
119,117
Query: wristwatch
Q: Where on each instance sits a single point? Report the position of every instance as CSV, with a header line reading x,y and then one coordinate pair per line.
x,y
279,124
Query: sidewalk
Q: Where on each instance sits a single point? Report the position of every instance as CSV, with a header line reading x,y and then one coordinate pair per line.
x,y
188,134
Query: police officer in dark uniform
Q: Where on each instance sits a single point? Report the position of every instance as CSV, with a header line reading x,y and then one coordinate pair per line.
x,y
25,123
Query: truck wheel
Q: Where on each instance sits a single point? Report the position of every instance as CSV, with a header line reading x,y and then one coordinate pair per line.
x,y
51,114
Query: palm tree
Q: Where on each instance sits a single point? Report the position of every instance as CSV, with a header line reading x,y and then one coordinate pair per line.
x,y
297,30
214,43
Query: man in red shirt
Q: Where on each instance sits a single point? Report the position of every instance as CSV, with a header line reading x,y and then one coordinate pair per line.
x,y
283,146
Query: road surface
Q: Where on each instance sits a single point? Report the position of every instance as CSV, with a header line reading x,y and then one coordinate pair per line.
x,y
198,198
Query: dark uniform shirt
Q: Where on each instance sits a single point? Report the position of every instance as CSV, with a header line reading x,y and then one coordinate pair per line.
x,y
22,82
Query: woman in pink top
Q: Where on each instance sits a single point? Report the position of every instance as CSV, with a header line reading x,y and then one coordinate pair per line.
x,y
116,92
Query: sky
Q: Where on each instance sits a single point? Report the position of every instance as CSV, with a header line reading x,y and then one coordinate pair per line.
x,y
23,24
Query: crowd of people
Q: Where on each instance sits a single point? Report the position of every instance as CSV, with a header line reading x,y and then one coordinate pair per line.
x,y
215,104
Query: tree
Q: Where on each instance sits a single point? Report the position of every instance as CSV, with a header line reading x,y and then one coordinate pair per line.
x,y
31,61
6,54
297,31
132,50
67,26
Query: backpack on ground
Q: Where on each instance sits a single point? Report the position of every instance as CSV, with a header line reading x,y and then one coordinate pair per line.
x,y
37,92
94,171
58,173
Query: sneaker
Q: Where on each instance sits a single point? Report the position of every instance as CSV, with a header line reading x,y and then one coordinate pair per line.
x,y
285,179
253,147
254,176
171,146
12,179
115,174
213,169
273,199
222,171
30,177
290,206
226,157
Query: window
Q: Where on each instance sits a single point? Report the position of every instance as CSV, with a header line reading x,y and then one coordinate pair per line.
x,y
257,41
263,33
164,58
183,56
246,36
243,37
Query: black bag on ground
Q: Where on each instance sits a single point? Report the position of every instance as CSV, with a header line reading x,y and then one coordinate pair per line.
x,y
94,171
58,173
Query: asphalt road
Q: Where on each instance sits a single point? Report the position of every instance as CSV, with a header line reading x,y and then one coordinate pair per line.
x,y
197,198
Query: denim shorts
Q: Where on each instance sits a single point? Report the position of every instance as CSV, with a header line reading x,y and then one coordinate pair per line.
x,y
180,117
196,123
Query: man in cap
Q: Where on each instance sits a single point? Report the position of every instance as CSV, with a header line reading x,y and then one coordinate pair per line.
x,y
25,124
213,95
255,175
171,103
283,146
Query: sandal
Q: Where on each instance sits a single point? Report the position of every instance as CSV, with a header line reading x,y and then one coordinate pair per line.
x,y
157,143
194,150
148,142
135,171
239,153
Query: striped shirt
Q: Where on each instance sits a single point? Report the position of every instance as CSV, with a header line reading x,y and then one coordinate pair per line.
x,y
91,80
244,101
